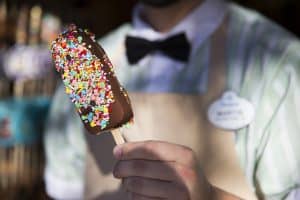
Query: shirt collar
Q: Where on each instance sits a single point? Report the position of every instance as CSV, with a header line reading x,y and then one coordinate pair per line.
x,y
198,25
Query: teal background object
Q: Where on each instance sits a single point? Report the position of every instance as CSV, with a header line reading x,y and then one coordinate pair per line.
x,y
27,118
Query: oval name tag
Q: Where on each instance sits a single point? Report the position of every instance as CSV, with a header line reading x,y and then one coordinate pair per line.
x,y
231,112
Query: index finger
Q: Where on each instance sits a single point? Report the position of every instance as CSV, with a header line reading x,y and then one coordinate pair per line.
x,y
155,150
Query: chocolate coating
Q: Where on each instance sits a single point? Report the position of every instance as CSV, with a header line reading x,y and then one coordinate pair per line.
x,y
117,102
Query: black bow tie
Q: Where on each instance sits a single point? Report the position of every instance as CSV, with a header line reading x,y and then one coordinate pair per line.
x,y
176,47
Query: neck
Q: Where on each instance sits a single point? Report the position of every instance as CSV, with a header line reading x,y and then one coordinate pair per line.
x,y
164,19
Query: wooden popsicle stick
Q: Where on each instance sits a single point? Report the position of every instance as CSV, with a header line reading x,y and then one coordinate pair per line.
x,y
118,136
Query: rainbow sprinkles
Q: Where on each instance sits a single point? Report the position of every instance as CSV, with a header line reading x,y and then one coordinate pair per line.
x,y
85,80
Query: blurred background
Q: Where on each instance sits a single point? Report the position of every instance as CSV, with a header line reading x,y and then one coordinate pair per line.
x,y
103,15
27,79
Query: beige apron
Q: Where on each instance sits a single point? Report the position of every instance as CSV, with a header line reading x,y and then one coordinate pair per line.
x,y
180,119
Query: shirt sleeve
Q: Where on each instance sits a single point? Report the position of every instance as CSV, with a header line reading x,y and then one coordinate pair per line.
x,y
65,150
277,153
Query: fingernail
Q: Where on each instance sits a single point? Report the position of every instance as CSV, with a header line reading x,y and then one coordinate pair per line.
x,y
118,152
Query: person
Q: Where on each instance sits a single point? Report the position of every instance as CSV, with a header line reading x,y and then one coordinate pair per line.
x,y
173,151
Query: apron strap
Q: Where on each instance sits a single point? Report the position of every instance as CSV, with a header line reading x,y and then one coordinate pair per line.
x,y
228,175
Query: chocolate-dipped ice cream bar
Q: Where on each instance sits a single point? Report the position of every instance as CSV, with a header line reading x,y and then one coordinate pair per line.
x,y
90,81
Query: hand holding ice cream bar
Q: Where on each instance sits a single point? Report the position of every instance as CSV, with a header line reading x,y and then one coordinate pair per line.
x,y
90,82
